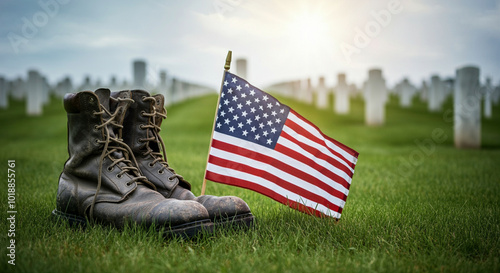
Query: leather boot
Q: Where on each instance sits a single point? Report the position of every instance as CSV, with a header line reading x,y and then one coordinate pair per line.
x,y
142,133
100,181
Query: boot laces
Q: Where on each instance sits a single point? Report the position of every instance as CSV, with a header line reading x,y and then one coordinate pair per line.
x,y
108,150
153,134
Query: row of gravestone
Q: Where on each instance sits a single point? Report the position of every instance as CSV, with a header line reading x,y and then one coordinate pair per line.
x,y
466,90
439,91
35,90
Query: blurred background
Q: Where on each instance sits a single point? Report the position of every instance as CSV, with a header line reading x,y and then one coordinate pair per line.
x,y
281,40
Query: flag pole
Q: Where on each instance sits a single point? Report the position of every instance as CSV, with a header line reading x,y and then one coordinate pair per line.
x,y
226,68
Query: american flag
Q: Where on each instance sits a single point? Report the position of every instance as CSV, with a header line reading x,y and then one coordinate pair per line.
x,y
263,145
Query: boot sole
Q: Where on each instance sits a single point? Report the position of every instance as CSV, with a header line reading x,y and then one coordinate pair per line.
x,y
185,231
242,221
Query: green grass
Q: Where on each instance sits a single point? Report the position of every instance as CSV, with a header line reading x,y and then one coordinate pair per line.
x,y
409,209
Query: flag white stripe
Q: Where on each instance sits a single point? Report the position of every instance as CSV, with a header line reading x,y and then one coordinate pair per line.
x,y
320,162
311,129
279,173
281,157
273,187
317,146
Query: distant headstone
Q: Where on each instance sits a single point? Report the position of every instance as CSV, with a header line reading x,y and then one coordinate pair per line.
x,y
375,98
296,89
19,87
424,91
496,95
321,94
45,92
488,92
309,92
63,87
139,67
177,91
354,91
448,87
4,98
164,89
435,94
34,93
341,95
241,68
407,91
467,108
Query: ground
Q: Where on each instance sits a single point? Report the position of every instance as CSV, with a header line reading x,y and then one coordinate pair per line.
x,y
416,203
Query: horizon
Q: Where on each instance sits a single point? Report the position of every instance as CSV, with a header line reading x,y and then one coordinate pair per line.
x,y
280,41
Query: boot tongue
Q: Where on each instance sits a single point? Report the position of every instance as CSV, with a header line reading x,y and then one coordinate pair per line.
x,y
103,96
111,105
119,101
160,107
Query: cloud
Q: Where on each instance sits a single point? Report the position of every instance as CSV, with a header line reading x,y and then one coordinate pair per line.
x,y
281,39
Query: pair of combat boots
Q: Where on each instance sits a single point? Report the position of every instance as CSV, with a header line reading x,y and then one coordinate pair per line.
x,y
117,172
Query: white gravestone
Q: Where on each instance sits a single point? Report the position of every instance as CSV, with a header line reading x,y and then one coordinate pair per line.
x,y
375,98
34,93
406,94
435,94
496,95
322,94
164,89
19,89
139,67
467,108
4,98
424,91
308,95
341,95
488,92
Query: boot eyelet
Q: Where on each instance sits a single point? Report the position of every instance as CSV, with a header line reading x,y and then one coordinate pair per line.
x,y
171,178
143,98
110,169
96,128
143,113
119,176
151,164
161,171
141,126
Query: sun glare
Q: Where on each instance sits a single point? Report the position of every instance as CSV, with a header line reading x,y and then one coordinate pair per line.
x,y
310,31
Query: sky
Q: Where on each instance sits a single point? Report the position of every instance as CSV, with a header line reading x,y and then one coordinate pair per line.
x,y
281,40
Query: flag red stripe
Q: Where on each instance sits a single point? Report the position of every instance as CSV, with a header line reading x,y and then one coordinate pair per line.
x,y
265,191
279,165
299,129
317,153
298,156
274,179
